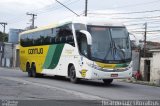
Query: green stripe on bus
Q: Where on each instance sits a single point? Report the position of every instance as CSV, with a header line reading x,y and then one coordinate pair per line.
x,y
53,56
56,56
121,65
49,56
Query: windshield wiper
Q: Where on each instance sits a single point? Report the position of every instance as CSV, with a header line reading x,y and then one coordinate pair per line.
x,y
119,49
113,49
110,48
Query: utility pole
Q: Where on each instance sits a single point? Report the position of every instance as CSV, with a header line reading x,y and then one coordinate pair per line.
x,y
86,5
4,26
33,18
145,37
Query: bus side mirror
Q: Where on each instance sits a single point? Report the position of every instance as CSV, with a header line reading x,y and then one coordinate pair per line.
x,y
88,36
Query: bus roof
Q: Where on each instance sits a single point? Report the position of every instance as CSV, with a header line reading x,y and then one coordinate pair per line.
x,y
93,21
83,20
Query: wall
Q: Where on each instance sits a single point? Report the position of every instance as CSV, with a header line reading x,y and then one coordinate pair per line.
x,y
155,68
9,55
1,52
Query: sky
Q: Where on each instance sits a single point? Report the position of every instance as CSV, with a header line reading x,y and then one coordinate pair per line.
x,y
132,13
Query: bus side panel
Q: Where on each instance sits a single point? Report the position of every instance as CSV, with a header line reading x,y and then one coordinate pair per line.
x,y
59,62
67,57
52,59
33,54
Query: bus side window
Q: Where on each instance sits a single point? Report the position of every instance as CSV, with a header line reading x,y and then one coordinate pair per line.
x,y
35,38
70,40
57,40
49,34
29,40
82,43
23,40
53,35
65,34
63,39
53,40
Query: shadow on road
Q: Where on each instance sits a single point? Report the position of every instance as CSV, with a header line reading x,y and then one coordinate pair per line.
x,y
94,83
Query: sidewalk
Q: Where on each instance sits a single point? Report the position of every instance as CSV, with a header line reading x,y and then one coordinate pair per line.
x,y
134,81
10,68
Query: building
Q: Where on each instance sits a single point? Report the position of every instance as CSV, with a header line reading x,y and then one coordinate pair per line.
x,y
9,51
9,55
1,52
13,36
149,64
155,67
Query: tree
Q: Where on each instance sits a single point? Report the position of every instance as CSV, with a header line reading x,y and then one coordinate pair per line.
x,y
3,37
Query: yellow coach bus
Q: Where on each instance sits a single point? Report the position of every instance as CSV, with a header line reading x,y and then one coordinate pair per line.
x,y
78,48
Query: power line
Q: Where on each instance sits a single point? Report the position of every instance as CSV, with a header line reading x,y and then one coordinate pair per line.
x,y
135,24
151,33
149,27
48,7
135,12
148,31
134,29
128,17
155,37
135,5
67,7
153,27
15,20
59,7
55,8
37,11
148,20
137,17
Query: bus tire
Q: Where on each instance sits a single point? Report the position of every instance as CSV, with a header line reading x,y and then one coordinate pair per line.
x,y
28,70
33,68
107,81
72,74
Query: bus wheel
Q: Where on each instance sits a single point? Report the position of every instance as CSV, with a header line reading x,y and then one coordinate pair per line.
x,y
72,74
29,70
107,81
33,68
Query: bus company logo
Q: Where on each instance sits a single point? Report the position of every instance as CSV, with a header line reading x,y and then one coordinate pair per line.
x,y
35,51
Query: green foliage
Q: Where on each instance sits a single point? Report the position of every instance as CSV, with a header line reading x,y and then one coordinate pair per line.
x,y
3,37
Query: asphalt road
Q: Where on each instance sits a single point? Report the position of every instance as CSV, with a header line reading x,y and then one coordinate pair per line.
x,y
16,85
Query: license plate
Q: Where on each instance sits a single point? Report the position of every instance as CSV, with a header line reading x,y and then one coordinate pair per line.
x,y
114,75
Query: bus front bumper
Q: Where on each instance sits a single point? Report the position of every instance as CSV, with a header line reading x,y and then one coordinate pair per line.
x,y
92,73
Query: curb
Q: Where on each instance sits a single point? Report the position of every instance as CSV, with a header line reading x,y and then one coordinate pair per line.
x,y
134,81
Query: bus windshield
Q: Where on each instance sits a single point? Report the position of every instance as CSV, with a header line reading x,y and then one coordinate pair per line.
x,y
110,43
